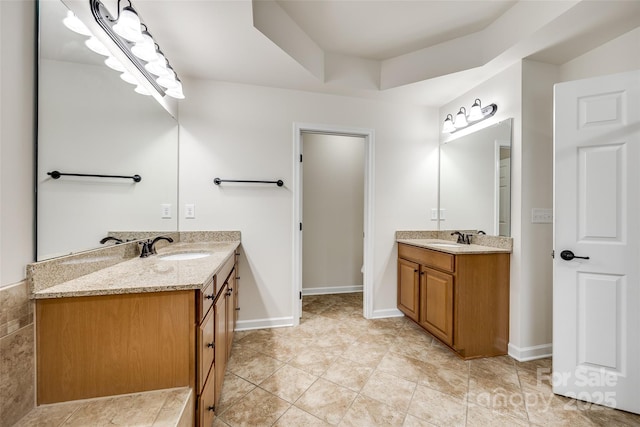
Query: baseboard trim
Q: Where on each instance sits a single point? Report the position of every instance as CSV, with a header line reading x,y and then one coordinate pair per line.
x,y
327,290
389,312
524,354
274,322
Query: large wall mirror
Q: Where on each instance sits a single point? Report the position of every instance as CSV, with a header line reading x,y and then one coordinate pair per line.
x,y
475,181
92,122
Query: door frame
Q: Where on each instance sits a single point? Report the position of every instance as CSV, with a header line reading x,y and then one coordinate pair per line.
x,y
498,144
369,139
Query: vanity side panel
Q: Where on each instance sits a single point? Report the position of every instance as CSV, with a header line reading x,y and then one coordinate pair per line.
x,y
481,305
108,345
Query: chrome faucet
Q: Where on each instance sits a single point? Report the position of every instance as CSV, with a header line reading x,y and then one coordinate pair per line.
x,y
149,246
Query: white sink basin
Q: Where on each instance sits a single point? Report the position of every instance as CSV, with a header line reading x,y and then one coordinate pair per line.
x,y
183,256
445,245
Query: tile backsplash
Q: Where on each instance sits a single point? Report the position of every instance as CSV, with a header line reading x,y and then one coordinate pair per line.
x,y
17,354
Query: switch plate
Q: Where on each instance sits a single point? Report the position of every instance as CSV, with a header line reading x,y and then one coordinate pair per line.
x,y
165,211
442,214
190,211
434,214
541,216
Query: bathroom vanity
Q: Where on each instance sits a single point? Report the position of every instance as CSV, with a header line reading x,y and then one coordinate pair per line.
x,y
458,293
143,324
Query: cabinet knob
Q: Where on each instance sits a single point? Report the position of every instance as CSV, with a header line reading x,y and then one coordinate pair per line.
x,y
211,345
230,290
415,271
211,408
422,273
237,308
209,296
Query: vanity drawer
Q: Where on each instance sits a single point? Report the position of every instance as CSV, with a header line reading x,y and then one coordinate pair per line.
x,y
427,257
205,298
205,348
206,404
224,272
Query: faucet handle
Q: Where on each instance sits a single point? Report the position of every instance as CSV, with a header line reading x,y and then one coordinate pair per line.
x,y
147,247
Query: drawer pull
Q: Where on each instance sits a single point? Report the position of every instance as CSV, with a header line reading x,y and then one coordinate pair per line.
x,y
237,308
211,408
211,345
230,290
208,296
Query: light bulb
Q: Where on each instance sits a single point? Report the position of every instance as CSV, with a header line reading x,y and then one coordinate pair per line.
x,y
475,113
74,23
142,90
169,81
128,25
461,119
146,48
158,67
127,77
177,91
448,126
114,64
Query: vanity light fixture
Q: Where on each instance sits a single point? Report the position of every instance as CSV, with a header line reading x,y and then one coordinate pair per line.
x,y
477,113
133,38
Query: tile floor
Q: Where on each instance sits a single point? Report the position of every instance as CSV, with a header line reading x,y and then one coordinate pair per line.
x,y
337,368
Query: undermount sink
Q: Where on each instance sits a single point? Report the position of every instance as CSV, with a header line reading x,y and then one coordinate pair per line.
x,y
445,245
183,256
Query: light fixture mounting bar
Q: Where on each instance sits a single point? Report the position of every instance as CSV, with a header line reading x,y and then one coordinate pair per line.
x,y
101,15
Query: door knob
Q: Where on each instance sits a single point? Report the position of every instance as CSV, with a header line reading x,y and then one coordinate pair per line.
x,y
568,256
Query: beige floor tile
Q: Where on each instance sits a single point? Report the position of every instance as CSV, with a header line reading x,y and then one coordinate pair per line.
x,y
390,390
366,353
453,381
327,401
49,415
173,407
315,360
258,408
411,421
288,383
438,408
297,417
233,388
478,416
371,413
504,398
546,409
603,416
348,373
252,366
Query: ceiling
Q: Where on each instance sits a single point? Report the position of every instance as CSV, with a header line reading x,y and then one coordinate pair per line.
x,y
419,51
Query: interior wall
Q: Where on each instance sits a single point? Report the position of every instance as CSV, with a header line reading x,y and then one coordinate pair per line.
x,y
616,56
17,40
236,131
333,213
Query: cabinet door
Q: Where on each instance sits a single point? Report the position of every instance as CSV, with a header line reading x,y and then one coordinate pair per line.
x,y
408,288
436,304
220,356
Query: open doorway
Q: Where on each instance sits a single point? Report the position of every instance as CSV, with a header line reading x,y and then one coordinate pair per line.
x,y
338,240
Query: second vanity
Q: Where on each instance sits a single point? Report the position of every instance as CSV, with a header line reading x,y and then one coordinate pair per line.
x,y
142,324
459,293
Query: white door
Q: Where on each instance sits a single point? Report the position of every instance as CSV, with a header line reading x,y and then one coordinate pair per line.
x,y
596,301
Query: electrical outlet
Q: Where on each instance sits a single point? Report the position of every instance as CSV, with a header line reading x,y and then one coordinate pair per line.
x,y
165,211
190,211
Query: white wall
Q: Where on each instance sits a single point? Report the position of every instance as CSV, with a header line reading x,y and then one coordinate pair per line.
x,y
103,128
17,36
246,132
618,55
333,213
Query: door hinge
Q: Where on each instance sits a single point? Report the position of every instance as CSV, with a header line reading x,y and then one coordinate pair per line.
x,y
300,294
300,158
553,254
300,226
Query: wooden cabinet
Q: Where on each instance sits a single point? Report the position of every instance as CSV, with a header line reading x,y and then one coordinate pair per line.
x,y
462,299
126,343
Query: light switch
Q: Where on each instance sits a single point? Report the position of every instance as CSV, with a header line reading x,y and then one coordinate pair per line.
x,y
434,214
165,210
442,214
190,211
541,216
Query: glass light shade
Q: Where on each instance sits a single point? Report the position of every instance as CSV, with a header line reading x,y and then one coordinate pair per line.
x,y
475,113
145,49
168,81
448,126
158,67
176,92
73,23
461,119
127,77
128,25
114,64
96,45
142,90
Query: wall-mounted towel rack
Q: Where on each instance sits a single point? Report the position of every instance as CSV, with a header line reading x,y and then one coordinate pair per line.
x,y
57,174
218,181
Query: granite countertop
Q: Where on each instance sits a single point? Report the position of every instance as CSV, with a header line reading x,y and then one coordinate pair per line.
x,y
452,247
151,274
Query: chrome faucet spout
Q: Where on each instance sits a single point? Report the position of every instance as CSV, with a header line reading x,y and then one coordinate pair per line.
x,y
108,238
